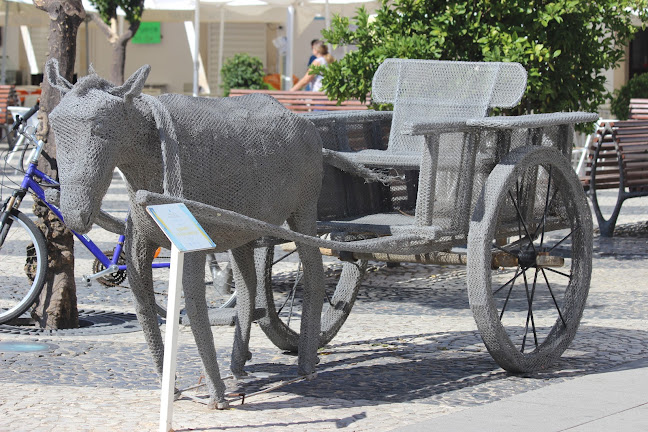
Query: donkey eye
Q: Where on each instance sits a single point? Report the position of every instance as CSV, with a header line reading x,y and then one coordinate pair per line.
x,y
99,129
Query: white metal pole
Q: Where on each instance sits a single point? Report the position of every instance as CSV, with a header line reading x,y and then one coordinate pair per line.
x,y
196,53
3,77
327,15
290,36
221,47
87,43
29,50
171,339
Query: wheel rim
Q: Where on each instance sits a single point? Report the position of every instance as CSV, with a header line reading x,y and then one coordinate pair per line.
x,y
282,298
529,291
219,286
22,270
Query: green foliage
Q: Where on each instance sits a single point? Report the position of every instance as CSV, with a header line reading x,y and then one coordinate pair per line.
x,y
637,87
565,45
243,72
108,9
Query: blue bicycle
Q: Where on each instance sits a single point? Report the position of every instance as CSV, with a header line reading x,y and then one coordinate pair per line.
x,y
23,249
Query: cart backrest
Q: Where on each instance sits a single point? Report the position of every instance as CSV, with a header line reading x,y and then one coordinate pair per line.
x,y
437,90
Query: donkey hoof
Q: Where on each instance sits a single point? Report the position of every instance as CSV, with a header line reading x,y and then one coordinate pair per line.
x,y
239,373
306,371
221,405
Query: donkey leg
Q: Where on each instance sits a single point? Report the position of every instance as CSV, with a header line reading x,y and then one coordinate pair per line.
x,y
245,279
305,222
196,307
139,256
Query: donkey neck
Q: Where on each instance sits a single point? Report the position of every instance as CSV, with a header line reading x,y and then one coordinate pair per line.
x,y
141,157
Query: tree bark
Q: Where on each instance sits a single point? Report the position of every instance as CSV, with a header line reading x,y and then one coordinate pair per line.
x,y
118,44
118,62
57,306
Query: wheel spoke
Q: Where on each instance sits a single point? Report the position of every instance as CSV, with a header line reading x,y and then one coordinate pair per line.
x,y
543,224
529,311
544,214
564,238
559,272
294,290
521,220
504,250
533,290
283,257
510,280
291,296
518,194
554,298
508,295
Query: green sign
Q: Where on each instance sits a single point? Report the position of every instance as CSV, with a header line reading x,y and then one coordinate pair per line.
x,y
147,33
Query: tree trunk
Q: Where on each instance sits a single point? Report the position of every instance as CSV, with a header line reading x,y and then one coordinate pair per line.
x,y
118,62
118,44
57,306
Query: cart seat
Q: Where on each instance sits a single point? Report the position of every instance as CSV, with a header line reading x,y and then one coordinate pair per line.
x,y
444,94
432,90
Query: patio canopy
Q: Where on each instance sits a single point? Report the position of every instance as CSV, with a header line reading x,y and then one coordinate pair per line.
x,y
23,12
296,15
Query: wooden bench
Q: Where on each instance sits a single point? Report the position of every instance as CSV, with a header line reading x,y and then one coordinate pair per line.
x,y
618,159
28,95
304,101
8,97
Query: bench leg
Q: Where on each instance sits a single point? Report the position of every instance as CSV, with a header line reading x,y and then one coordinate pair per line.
x,y
606,227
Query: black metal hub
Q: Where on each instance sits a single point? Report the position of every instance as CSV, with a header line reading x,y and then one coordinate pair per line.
x,y
527,258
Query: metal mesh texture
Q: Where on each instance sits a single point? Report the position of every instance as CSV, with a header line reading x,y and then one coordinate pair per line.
x,y
248,154
439,126
548,195
428,89
251,156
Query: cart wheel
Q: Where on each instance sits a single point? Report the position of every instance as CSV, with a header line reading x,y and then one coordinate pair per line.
x,y
280,295
529,259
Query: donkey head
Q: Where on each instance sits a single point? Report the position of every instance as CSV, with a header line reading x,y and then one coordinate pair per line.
x,y
91,130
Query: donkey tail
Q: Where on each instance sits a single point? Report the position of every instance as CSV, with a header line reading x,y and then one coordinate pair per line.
x,y
343,163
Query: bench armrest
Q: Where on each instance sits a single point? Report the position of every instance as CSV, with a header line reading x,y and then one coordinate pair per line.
x,y
321,118
533,120
435,126
498,122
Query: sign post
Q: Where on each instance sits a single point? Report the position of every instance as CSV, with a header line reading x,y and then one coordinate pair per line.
x,y
186,235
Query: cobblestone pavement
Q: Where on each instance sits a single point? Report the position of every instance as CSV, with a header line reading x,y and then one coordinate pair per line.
x,y
409,350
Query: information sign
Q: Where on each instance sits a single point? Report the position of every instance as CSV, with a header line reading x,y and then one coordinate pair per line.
x,y
181,227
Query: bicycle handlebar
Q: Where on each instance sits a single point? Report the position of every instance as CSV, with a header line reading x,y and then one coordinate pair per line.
x,y
19,120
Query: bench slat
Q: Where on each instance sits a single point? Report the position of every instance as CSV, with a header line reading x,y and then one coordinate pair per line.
x,y
303,101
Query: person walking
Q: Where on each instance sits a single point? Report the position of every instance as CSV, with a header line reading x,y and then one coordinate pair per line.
x,y
322,58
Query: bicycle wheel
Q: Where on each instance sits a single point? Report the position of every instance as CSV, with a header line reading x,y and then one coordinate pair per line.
x,y
529,259
280,296
219,284
23,264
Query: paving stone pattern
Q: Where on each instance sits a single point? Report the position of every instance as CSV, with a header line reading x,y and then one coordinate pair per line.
x,y
409,350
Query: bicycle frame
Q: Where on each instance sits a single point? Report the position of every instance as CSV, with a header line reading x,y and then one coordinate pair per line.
x,y
29,184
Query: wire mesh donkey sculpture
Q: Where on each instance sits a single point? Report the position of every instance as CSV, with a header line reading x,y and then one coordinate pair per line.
x,y
246,154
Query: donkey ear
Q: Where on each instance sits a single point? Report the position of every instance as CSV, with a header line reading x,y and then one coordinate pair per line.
x,y
134,85
54,77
